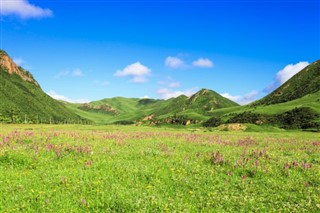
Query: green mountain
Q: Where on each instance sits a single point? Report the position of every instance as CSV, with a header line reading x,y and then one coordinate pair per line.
x,y
110,110
305,82
199,104
22,99
118,109
295,104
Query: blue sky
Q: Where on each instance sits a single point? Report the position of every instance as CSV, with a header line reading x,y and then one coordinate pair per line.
x,y
90,50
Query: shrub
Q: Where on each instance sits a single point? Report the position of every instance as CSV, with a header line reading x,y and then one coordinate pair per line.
x,y
301,118
246,117
213,122
124,122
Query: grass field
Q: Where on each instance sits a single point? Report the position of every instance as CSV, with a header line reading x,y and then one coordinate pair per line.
x,y
51,168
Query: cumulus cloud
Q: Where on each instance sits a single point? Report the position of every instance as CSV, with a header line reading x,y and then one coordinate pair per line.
x,y
281,77
290,70
174,62
77,73
137,71
23,9
242,100
105,83
61,74
174,84
144,97
285,74
102,83
166,93
169,82
235,98
73,73
203,63
56,96
18,61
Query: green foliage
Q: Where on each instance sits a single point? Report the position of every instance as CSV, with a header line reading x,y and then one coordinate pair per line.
x,y
178,119
247,117
298,118
213,122
124,122
147,101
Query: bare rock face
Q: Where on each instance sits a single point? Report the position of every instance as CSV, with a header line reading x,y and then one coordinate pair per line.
x,y
8,65
148,118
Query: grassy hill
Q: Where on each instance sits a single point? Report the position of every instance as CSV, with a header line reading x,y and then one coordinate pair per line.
x,y
22,99
196,107
306,82
295,104
311,101
117,109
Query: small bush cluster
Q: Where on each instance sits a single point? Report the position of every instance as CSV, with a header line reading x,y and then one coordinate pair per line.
x,y
298,118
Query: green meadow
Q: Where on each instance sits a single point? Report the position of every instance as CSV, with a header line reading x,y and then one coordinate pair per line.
x,y
78,168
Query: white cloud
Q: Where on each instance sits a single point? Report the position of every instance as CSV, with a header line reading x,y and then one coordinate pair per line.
x,y
56,96
18,61
102,83
169,82
203,63
105,83
61,74
235,98
144,97
139,79
251,96
166,93
242,100
137,71
290,70
77,73
285,74
174,84
174,62
24,9
73,73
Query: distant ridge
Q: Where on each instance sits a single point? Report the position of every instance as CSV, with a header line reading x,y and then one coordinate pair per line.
x,y
110,110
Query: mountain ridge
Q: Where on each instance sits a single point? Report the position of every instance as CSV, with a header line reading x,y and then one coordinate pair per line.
x,y
7,63
22,97
23,100
135,109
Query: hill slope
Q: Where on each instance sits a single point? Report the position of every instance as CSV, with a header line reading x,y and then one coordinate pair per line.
x,y
202,103
132,109
307,81
22,99
110,110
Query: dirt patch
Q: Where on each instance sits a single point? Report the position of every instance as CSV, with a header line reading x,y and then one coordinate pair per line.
x,y
232,127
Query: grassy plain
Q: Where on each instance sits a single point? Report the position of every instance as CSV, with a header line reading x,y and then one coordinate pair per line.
x,y
75,168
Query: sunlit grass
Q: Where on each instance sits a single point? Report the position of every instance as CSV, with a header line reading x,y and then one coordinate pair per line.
x,y
111,168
